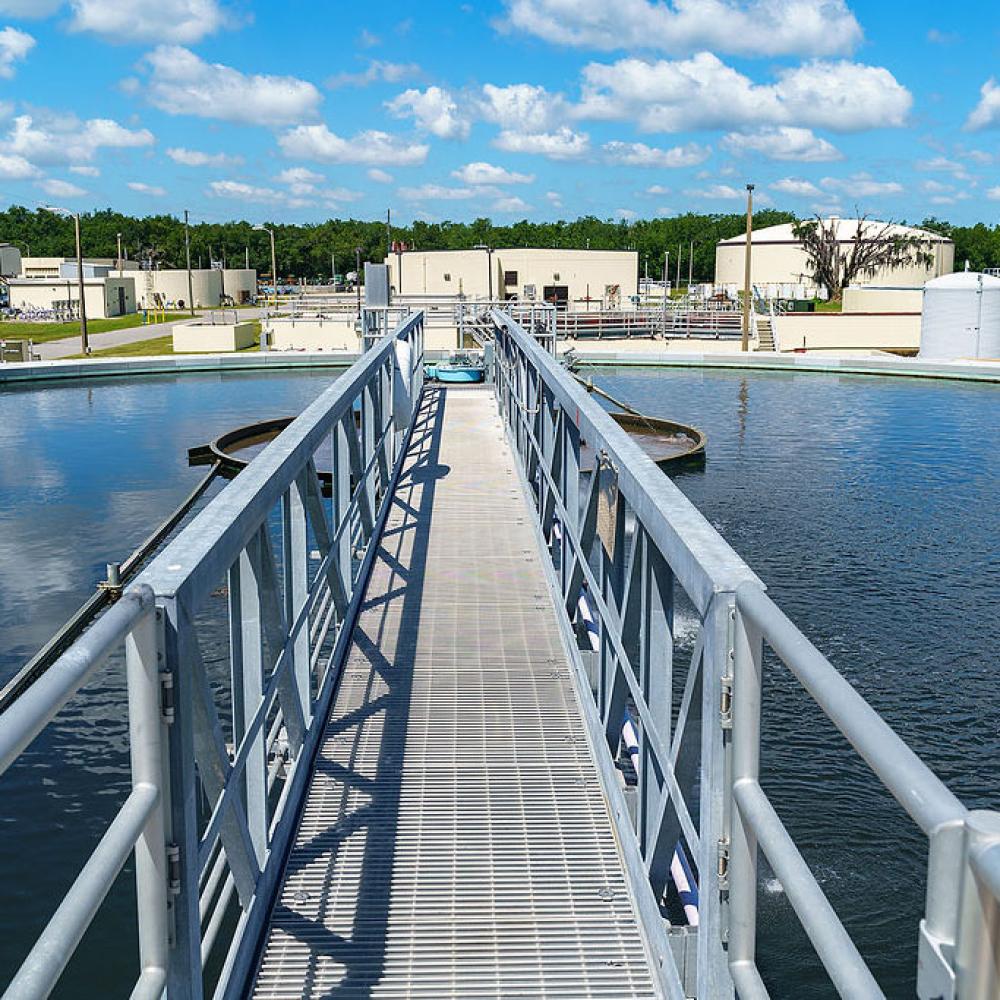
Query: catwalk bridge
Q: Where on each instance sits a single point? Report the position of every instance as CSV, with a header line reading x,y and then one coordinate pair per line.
x,y
426,726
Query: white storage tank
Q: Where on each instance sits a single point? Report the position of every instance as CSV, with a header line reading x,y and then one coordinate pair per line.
x,y
961,317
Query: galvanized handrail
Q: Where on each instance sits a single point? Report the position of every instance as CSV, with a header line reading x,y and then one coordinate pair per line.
x,y
290,613
619,553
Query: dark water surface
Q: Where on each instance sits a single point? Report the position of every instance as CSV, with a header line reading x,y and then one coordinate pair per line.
x,y
868,506
87,470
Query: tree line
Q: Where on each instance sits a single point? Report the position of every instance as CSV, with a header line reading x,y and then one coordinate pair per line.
x,y
305,250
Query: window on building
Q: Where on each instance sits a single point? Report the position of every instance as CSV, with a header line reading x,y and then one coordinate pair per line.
x,y
447,277
510,277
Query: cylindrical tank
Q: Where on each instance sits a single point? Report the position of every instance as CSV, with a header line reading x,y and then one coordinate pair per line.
x,y
961,317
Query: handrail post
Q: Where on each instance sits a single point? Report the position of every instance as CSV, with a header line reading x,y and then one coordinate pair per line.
x,y
147,746
746,699
713,968
977,958
184,976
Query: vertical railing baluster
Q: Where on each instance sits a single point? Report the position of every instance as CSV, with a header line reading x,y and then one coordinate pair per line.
x,y
296,563
747,671
246,603
184,978
147,746
713,970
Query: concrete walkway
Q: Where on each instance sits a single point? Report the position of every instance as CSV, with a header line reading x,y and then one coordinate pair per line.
x,y
55,349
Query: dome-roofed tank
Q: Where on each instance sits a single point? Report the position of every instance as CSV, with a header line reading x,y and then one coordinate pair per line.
x,y
961,317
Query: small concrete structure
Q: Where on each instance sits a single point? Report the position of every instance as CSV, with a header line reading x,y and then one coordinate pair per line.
x,y
104,296
201,336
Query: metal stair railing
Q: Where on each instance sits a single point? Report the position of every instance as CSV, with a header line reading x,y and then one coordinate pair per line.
x,y
221,758
630,553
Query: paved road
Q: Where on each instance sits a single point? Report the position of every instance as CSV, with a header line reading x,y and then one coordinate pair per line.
x,y
55,349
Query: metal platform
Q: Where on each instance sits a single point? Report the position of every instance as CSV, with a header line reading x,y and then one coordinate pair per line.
x,y
455,840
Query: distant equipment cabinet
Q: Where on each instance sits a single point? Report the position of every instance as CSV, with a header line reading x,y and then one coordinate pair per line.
x,y
961,317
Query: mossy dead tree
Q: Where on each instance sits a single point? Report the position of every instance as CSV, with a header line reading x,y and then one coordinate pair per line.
x,y
834,263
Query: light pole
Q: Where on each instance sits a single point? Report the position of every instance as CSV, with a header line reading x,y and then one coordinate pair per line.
x,y
187,257
118,261
274,263
357,276
745,343
84,340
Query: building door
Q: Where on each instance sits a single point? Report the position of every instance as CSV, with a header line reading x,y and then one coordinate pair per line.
x,y
121,300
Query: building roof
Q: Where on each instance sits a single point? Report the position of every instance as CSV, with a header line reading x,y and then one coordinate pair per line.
x,y
847,231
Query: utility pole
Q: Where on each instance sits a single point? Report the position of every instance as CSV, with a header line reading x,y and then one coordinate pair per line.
x,y
357,276
187,257
690,264
680,250
333,270
388,232
84,339
746,271
119,260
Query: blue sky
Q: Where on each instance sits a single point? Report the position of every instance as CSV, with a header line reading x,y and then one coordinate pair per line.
x,y
539,109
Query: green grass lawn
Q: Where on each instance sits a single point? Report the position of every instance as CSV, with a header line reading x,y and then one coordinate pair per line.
x,y
154,346
42,333
827,306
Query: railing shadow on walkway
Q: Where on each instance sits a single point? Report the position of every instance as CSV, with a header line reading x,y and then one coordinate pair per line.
x,y
398,576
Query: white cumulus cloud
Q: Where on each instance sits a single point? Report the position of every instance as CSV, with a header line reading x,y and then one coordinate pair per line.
x,y
796,188
487,173
60,189
376,72
562,144
300,180
182,83
522,107
197,158
379,176
509,204
434,110
704,92
50,138
16,168
437,192
861,185
638,154
716,192
14,46
743,27
783,142
153,190
986,113
131,21
319,144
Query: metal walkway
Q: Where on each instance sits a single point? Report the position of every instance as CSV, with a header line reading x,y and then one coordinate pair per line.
x,y
375,715
455,840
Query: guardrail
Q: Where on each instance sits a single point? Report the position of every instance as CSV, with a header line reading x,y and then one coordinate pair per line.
x,y
220,759
627,554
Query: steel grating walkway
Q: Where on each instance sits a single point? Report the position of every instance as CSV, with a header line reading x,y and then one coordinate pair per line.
x,y
455,841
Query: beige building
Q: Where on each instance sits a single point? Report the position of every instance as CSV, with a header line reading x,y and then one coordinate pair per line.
x,y
780,267
104,297
573,279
